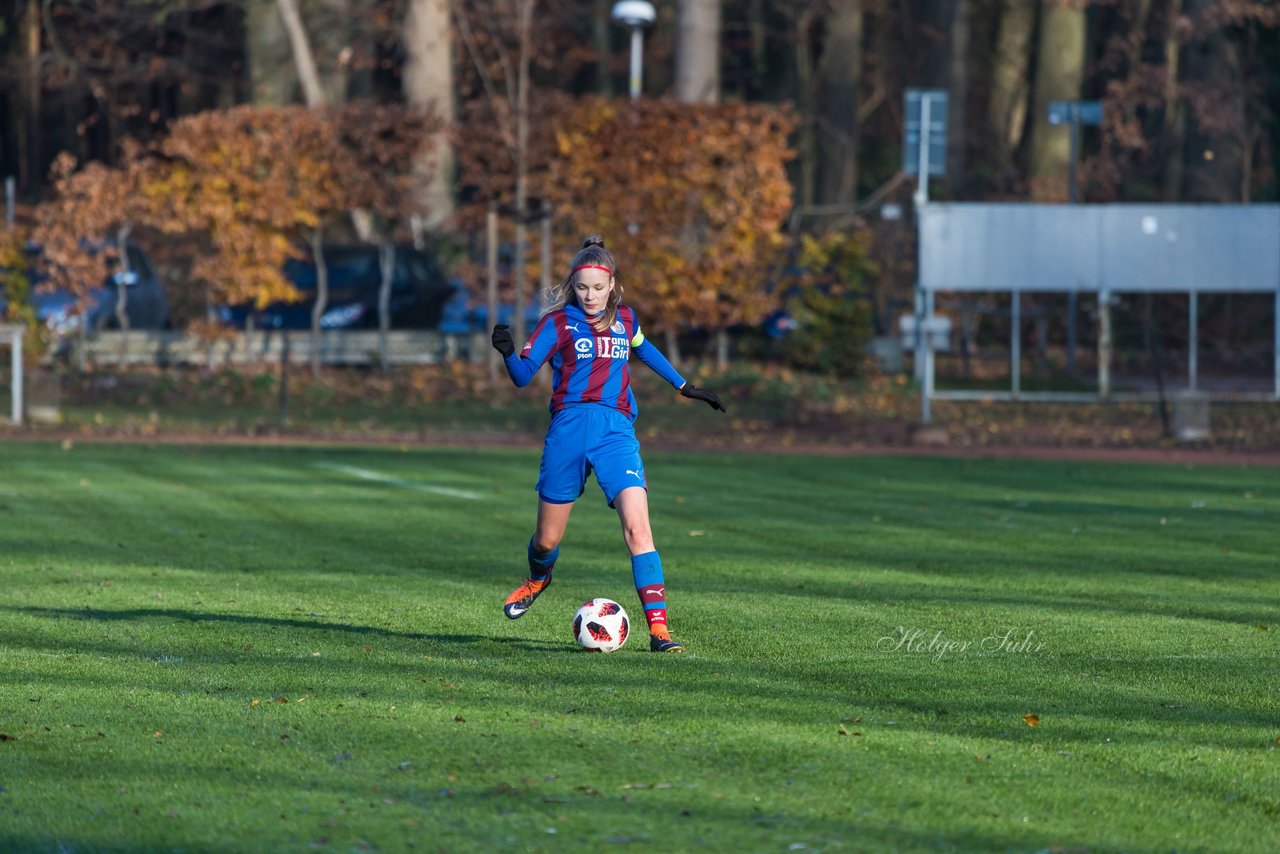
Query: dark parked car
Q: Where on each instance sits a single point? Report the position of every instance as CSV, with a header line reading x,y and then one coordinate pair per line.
x,y
146,305
419,292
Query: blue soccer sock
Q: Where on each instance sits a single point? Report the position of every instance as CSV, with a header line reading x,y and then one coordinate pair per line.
x,y
646,571
540,563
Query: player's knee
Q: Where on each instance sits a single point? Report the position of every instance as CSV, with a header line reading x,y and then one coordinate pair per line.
x,y
545,543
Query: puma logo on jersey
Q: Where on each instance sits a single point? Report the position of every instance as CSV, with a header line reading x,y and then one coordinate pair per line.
x,y
571,327
636,472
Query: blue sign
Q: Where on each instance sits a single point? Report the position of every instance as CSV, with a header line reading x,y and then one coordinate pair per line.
x,y
918,103
1079,112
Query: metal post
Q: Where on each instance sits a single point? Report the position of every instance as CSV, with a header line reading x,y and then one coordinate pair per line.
x,y
922,178
637,61
1072,335
491,283
1104,344
1015,345
1072,189
921,200
10,199
1074,195
926,394
17,376
1193,334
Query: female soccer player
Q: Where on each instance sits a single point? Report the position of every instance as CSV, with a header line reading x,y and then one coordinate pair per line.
x,y
588,334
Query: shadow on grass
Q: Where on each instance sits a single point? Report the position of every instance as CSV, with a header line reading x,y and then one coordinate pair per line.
x,y
133,614
1128,699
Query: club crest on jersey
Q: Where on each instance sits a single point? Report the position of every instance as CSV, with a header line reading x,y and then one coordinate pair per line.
x,y
617,328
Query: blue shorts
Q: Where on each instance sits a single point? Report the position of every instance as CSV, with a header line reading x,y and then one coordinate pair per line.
x,y
587,438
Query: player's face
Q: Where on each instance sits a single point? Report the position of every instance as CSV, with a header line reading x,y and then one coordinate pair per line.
x,y
592,289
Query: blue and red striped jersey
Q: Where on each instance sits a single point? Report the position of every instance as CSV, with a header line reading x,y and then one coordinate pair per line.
x,y
588,367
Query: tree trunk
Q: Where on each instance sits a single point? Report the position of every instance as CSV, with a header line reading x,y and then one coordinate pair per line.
x,y
808,142
387,267
673,347
30,154
1212,65
698,51
1059,72
428,85
958,97
272,78
304,61
837,103
122,287
758,29
322,297
1174,138
600,23
1007,107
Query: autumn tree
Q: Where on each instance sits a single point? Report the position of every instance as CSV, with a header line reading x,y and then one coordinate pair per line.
x,y
389,154
692,198
84,229
261,181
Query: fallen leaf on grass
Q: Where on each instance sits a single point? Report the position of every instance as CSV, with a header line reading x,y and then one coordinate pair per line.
x,y
841,730
1032,720
647,785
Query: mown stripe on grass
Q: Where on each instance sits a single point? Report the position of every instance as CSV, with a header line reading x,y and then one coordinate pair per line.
x,y
378,477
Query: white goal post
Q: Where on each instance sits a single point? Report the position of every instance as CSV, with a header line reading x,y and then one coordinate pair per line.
x,y
13,334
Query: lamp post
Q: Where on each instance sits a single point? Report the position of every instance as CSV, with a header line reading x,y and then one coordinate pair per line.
x,y
636,14
1074,114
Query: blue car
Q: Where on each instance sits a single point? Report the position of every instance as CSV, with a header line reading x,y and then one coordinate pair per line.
x,y
146,306
419,292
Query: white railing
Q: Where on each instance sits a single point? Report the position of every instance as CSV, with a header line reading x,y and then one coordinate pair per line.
x,y
404,347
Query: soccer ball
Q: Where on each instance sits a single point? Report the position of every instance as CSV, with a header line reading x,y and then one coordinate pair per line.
x,y
601,626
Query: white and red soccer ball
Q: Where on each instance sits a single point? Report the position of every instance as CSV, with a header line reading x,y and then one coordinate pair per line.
x,y
601,625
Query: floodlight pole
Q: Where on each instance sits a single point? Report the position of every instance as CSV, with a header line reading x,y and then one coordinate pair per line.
x,y
635,14
637,62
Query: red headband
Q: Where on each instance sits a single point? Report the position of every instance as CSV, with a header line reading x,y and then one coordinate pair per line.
x,y
593,267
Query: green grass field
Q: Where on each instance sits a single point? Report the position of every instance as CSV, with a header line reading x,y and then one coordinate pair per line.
x,y
213,648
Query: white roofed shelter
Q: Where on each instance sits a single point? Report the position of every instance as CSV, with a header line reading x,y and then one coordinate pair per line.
x,y
1099,249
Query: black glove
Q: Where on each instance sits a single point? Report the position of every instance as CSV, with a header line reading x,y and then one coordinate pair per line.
x,y
502,340
702,394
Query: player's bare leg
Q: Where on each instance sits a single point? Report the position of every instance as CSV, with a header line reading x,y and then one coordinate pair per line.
x,y
544,548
